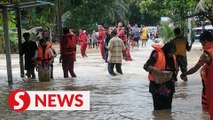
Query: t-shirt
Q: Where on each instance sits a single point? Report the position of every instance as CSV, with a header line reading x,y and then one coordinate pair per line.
x,y
144,33
181,45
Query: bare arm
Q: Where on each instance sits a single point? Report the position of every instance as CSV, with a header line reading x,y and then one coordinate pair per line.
x,y
188,47
194,69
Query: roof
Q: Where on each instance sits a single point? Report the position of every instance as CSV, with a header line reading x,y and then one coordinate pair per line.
x,y
24,4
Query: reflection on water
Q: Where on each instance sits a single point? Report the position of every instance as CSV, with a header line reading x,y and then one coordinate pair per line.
x,y
162,115
124,97
181,90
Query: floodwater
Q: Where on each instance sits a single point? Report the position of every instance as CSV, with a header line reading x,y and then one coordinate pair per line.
x,y
123,97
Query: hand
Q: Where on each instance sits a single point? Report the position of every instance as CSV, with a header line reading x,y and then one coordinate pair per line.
x,y
37,68
156,70
183,76
192,41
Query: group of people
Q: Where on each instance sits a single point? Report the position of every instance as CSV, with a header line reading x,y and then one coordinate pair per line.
x,y
114,45
137,33
130,36
40,55
170,57
111,41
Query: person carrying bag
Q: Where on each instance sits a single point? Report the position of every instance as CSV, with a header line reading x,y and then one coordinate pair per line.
x,y
162,73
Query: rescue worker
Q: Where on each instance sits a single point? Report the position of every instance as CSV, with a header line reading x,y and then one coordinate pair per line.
x,y
83,42
68,52
206,63
162,59
121,34
101,37
44,57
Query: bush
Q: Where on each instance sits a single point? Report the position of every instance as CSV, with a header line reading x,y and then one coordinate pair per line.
x,y
13,43
166,32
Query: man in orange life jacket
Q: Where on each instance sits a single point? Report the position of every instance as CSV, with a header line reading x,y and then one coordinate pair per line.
x,y
205,62
83,42
162,58
68,52
44,57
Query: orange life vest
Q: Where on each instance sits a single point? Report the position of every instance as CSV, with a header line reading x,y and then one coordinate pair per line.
x,y
43,56
68,45
161,61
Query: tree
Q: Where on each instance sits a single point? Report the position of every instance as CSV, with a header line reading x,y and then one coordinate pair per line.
x,y
12,32
178,10
89,13
204,9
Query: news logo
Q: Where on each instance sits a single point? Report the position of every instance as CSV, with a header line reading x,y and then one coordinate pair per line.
x,y
20,100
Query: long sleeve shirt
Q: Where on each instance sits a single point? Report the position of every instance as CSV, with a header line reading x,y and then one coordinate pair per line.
x,y
116,48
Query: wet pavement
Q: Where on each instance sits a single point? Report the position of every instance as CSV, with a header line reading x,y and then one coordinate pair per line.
x,y
123,97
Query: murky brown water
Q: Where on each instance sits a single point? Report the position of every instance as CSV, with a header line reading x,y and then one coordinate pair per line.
x,y
123,97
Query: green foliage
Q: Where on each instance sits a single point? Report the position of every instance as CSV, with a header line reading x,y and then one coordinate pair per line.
x,y
40,16
77,14
204,9
166,32
89,13
12,33
178,10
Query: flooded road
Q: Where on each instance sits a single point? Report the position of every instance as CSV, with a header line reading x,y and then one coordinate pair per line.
x,y
123,97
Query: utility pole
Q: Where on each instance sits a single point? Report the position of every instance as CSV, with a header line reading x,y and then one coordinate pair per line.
x,y
18,25
189,38
7,46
